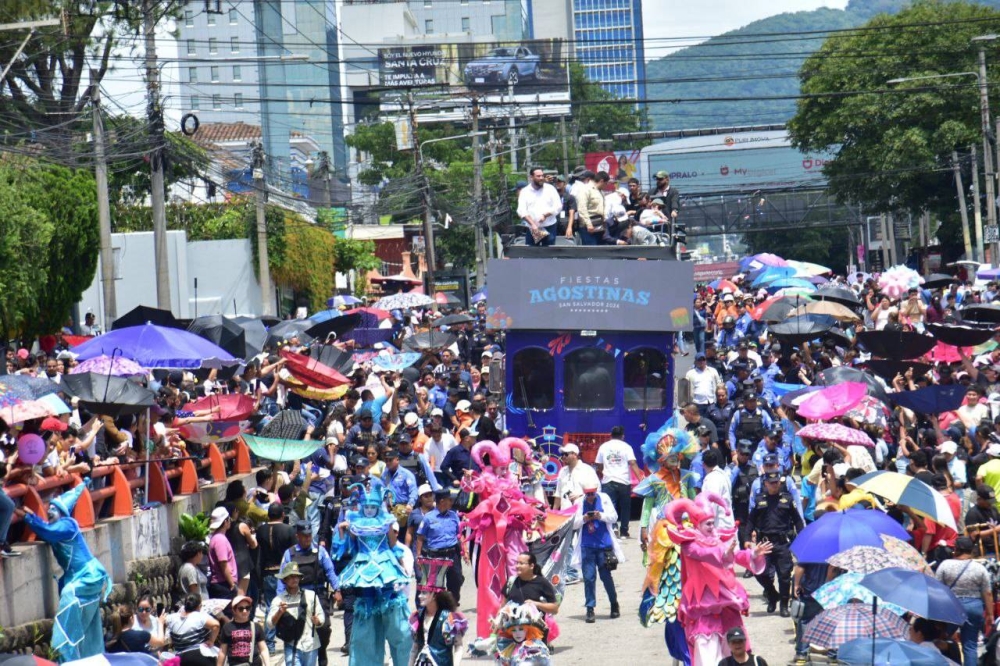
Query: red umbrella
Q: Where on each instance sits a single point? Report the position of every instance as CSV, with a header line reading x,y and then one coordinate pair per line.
x,y
230,407
311,371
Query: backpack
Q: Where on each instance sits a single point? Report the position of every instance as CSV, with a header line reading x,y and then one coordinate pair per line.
x,y
290,629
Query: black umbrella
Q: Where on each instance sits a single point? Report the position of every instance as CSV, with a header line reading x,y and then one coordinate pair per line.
x,y
935,280
277,333
108,395
989,313
838,336
287,424
777,308
338,359
896,344
256,334
429,341
841,374
796,330
223,332
142,314
837,295
960,336
337,325
887,369
454,320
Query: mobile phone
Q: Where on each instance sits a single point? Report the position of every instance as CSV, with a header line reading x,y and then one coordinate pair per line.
x,y
159,608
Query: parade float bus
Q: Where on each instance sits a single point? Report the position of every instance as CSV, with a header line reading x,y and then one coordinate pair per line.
x,y
589,335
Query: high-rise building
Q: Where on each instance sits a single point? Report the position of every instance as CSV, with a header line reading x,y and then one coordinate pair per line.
x,y
502,19
606,35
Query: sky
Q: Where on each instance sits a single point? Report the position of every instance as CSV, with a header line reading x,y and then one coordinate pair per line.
x,y
664,21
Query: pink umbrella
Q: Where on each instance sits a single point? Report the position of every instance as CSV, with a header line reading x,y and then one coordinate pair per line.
x,y
835,432
769,259
833,401
119,366
869,410
943,353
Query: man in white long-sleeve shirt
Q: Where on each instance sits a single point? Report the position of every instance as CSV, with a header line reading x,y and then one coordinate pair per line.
x,y
717,481
538,206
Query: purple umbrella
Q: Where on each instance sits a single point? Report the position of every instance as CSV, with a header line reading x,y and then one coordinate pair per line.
x,y
153,346
118,366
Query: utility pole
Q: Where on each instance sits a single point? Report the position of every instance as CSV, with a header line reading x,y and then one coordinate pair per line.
x,y
263,265
977,209
886,258
957,170
418,157
103,210
988,164
154,112
565,146
512,125
477,196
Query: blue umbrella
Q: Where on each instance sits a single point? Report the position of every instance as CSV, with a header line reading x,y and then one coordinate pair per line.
x,y
325,315
831,534
479,295
879,522
931,399
772,273
342,301
790,283
153,346
918,593
889,651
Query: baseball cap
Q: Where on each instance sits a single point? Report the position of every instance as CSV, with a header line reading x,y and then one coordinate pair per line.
x,y
745,446
441,494
658,201
948,447
54,424
662,174
619,213
390,453
437,412
240,598
303,527
775,431
736,634
365,414
411,419
591,486
360,461
570,448
771,459
485,370
424,489
219,515
700,357
986,492
463,406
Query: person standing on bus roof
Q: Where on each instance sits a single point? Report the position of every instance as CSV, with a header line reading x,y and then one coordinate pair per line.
x,y
664,191
538,205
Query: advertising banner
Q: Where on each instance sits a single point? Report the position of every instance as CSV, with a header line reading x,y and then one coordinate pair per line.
x,y
590,294
709,272
620,165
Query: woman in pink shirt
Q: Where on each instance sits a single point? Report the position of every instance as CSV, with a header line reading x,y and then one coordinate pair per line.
x,y
222,576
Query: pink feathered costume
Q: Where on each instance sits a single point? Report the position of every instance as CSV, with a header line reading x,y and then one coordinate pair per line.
x,y
712,601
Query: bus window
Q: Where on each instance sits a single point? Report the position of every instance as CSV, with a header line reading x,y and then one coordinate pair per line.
x,y
645,379
534,379
589,379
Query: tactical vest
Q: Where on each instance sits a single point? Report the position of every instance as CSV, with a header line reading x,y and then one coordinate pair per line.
x,y
751,425
413,465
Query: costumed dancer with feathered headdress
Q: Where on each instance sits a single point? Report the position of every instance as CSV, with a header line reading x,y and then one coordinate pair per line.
x,y
712,600
84,585
662,453
520,631
377,575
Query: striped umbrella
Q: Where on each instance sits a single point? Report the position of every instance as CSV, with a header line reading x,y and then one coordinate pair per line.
x,y
910,492
838,625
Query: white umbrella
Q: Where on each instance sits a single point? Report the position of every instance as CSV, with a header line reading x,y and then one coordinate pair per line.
x,y
403,301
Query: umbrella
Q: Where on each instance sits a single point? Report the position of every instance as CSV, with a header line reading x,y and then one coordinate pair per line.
x,y
108,395
374,313
795,396
311,392
24,660
760,260
286,424
31,388
910,554
935,280
989,313
842,373
770,273
17,410
403,301
280,449
154,346
429,341
333,357
835,432
832,401
832,533
324,315
454,320
796,330
870,411
897,345
278,333
988,274
722,284
911,492
255,333
819,280
931,399
880,522
365,336
143,314
889,651
311,371
790,283
887,369
395,362
866,559
342,301
56,404
108,365
838,336
480,295
840,295
807,269
206,432
918,593
223,332
336,325
846,587
836,310
960,336
445,298
777,308
227,407
836,626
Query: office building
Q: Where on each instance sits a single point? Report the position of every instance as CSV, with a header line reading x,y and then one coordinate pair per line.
x,y
503,20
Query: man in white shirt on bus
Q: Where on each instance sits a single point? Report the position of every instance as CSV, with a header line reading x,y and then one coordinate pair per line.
x,y
615,460
538,205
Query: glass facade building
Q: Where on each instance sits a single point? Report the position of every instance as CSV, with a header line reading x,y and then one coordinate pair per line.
x,y
609,45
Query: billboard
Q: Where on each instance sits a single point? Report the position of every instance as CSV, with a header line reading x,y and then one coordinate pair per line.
x,y
738,162
590,294
535,71
620,165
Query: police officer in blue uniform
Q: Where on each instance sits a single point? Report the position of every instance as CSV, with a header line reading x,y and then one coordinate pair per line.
x,y
775,519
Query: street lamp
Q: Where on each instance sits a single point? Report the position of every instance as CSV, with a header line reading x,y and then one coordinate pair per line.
x,y
984,109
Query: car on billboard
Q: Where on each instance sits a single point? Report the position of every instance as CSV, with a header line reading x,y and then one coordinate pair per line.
x,y
504,65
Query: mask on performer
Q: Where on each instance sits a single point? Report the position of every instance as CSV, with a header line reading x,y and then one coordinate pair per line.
x,y
707,527
370,510
519,634
673,461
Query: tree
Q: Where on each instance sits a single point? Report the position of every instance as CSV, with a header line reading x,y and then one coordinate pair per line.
x,y
129,144
894,143
308,266
25,233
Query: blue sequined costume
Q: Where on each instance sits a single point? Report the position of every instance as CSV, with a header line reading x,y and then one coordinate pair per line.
x,y
375,573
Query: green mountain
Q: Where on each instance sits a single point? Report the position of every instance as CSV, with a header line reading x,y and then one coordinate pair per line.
x,y
761,59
